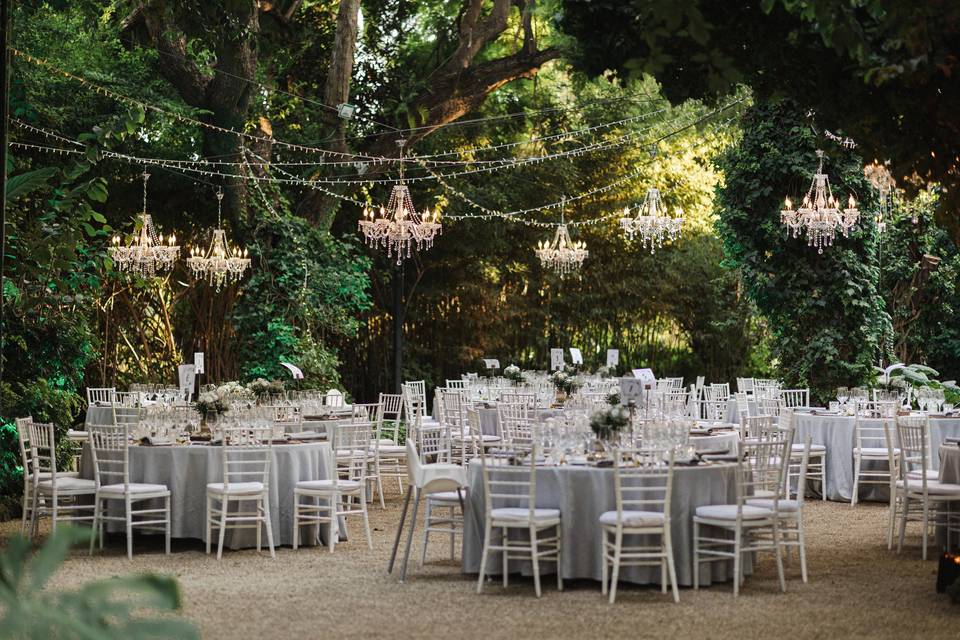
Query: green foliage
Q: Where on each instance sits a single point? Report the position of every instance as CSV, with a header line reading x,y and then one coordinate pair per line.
x,y
112,608
824,312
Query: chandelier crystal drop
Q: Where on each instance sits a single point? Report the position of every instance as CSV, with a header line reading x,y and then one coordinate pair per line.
x,y
562,254
652,222
145,254
219,264
820,214
398,227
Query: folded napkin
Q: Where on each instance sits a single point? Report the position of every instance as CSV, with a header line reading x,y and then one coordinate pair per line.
x,y
156,441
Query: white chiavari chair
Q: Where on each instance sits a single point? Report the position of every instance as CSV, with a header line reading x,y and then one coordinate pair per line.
x,y
768,404
344,493
456,384
455,421
921,495
754,529
643,482
743,405
334,398
100,396
393,454
795,398
718,391
110,450
126,399
871,458
246,455
59,491
745,385
509,503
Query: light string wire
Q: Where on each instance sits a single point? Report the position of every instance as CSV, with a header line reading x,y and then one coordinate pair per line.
x,y
486,212
605,145
350,158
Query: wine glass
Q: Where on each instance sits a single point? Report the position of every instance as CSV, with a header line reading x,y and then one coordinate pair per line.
x,y
843,394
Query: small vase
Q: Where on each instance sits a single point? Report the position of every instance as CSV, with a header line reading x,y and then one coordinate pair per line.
x,y
598,451
561,397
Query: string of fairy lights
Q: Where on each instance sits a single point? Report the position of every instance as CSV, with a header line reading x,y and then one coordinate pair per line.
x,y
398,226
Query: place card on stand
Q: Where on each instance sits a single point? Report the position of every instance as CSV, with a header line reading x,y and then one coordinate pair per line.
x,y
613,357
556,359
575,356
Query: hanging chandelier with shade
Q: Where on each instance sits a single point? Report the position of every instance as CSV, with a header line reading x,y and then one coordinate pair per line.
x,y
220,264
562,254
652,222
820,215
398,227
145,253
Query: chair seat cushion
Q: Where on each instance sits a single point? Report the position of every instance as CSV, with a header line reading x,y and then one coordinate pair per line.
x,y
446,496
68,483
384,442
489,438
633,518
236,488
934,487
328,486
135,487
785,506
918,475
45,475
874,452
392,450
814,448
518,514
729,512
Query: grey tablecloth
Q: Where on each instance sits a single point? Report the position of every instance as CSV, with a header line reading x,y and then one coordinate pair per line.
x,y
490,420
950,463
836,433
582,494
99,415
186,470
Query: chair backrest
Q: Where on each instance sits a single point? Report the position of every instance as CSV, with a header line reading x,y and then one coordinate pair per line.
x,y
718,391
392,409
334,398
764,466
246,454
768,404
456,384
794,398
516,425
419,389
43,450
743,404
510,481
351,448
643,480
126,415
716,410
102,396
414,406
869,424
23,435
109,448
520,397
453,406
745,385
913,437
758,427
126,399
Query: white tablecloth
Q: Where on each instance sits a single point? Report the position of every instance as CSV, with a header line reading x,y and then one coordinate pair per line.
x,y
186,471
836,433
582,494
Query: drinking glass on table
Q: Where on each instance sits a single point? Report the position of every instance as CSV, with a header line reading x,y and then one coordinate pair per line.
x,y
843,394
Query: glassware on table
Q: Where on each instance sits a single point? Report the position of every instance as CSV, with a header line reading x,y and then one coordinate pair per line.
x,y
843,394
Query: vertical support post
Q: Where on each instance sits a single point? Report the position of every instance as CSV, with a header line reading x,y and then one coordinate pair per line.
x,y
4,114
397,327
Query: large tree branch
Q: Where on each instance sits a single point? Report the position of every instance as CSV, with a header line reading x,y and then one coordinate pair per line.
x,y
475,33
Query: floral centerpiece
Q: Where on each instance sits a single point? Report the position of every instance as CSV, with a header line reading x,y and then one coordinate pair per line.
x,y
262,387
613,398
564,382
606,423
513,373
607,372
222,398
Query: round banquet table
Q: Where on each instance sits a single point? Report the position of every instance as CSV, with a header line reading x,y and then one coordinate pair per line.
x,y
582,493
187,469
836,433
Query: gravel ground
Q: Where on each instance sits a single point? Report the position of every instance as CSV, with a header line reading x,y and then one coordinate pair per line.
x,y
857,589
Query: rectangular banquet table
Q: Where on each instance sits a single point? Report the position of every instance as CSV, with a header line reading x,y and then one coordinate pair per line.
x,y
837,434
187,469
582,493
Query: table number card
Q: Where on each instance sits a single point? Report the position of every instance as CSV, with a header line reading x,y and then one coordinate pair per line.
x,y
556,359
188,376
491,363
613,357
575,356
646,377
198,362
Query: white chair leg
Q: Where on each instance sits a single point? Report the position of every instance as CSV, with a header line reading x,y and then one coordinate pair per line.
x,y
856,480
425,539
208,519
167,525
736,563
396,540
129,507
615,576
366,525
668,548
413,522
224,505
536,560
559,558
96,523
483,556
696,556
603,563
778,550
801,539
269,524
296,521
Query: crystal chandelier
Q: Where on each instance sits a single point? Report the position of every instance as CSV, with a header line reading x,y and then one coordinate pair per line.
x,y
562,254
145,253
219,264
398,226
652,222
820,212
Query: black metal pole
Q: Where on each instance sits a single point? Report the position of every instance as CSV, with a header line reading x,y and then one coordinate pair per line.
x,y
4,112
397,327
